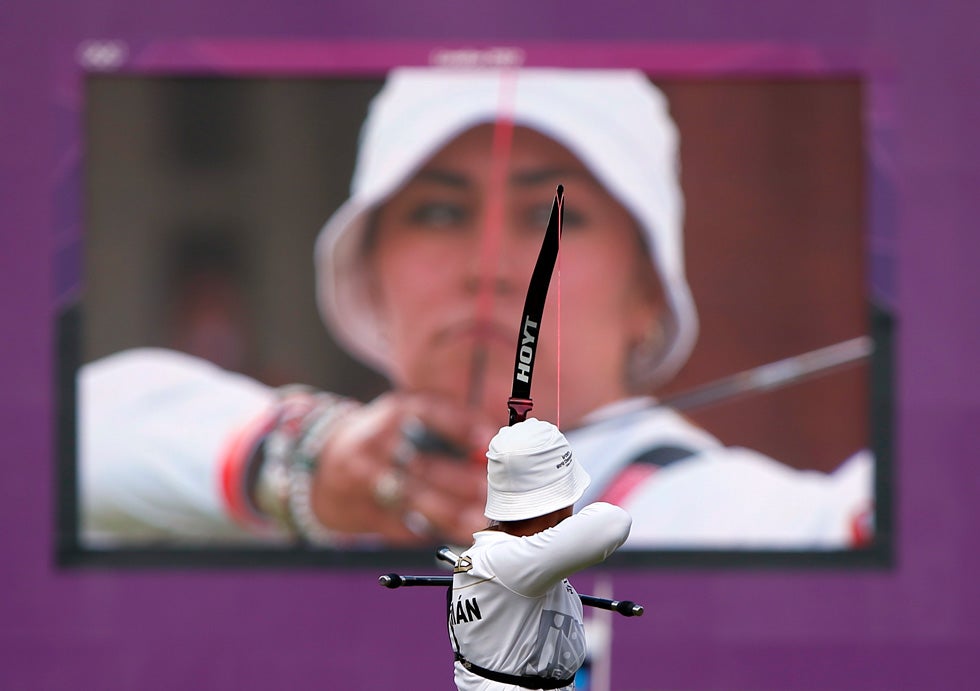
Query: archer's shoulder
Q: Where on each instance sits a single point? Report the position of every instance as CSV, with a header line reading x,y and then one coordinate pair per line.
x,y
615,518
146,362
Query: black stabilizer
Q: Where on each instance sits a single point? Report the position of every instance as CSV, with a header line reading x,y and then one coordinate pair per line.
x,y
390,580
625,607
394,580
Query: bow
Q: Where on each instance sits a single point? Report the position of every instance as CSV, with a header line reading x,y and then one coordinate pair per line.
x,y
519,404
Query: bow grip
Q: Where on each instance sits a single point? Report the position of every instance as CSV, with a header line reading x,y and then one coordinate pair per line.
x,y
519,408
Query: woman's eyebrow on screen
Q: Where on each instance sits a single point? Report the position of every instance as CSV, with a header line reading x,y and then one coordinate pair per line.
x,y
519,178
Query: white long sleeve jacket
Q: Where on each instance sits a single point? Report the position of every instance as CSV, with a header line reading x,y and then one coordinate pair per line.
x,y
512,608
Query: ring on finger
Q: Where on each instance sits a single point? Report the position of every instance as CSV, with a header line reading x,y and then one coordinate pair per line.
x,y
404,453
417,523
389,490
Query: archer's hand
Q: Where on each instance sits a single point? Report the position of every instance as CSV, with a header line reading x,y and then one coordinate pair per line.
x,y
377,475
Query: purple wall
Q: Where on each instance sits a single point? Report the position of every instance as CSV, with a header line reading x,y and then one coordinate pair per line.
x,y
912,627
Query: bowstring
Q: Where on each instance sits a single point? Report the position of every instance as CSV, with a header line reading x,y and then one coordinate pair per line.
x,y
561,205
500,153
493,224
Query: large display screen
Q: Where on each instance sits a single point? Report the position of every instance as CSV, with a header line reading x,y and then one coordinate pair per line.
x,y
301,292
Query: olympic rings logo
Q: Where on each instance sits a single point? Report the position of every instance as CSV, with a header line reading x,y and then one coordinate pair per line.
x,y
102,55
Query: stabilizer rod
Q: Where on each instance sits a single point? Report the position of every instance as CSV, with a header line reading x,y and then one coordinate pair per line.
x,y
627,608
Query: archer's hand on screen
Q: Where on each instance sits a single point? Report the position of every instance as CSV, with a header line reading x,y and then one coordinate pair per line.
x,y
406,467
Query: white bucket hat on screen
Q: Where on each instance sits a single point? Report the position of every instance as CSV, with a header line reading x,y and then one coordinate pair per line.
x,y
615,121
531,472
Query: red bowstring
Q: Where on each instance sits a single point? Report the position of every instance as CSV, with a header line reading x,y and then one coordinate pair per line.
x,y
503,131
502,140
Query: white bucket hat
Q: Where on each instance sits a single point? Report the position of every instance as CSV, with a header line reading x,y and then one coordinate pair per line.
x,y
615,121
531,472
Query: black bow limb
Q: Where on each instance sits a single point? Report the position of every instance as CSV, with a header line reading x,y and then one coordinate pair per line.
x,y
519,404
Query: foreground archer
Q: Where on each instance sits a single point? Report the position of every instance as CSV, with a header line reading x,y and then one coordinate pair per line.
x,y
514,619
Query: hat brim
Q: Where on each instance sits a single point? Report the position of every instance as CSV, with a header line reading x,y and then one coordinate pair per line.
x,y
517,506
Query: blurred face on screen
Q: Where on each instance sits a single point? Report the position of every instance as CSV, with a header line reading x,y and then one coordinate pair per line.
x,y
452,253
